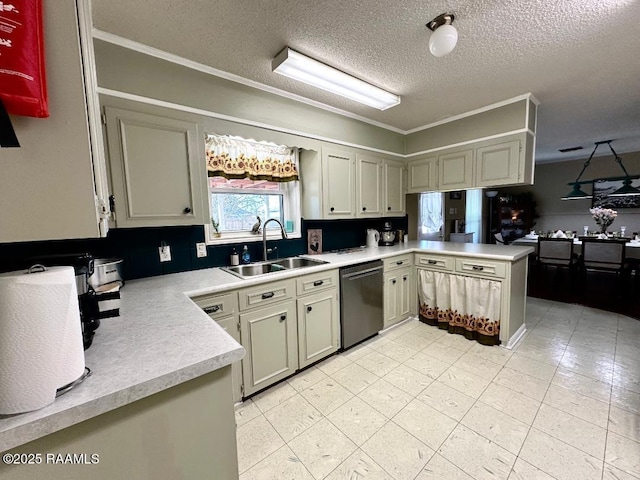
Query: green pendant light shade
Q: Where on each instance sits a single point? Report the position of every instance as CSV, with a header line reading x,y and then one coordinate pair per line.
x,y
627,190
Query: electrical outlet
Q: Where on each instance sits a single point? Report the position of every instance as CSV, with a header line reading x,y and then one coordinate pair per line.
x,y
201,250
165,253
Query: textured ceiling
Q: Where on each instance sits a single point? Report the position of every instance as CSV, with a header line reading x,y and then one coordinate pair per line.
x,y
578,57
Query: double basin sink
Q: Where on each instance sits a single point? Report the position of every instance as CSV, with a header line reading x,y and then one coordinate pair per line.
x,y
271,266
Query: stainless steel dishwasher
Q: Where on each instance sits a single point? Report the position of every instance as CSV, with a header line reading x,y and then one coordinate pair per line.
x,y
361,313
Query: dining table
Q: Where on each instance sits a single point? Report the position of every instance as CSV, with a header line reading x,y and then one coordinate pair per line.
x,y
632,248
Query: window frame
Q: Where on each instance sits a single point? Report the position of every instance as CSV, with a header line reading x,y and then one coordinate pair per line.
x,y
290,192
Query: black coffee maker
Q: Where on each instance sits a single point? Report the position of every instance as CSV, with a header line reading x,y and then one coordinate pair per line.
x,y
82,264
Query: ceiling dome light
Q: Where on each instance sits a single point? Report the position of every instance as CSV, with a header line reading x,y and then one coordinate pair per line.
x,y
444,37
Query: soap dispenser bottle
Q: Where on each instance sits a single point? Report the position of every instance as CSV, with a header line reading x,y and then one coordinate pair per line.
x,y
235,258
246,257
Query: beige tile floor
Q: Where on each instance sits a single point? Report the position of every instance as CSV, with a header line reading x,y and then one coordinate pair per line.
x,y
418,403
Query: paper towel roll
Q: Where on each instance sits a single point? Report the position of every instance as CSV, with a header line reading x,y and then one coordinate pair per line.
x,y
40,337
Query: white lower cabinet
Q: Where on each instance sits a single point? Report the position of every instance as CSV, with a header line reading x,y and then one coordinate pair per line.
x,y
231,325
270,337
318,326
399,296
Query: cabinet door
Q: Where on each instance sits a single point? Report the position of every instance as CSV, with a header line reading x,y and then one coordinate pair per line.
x,y
405,294
391,298
318,326
423,175
232,327
498,164
368,186
455,170
339,171
269,336
393,188
155,168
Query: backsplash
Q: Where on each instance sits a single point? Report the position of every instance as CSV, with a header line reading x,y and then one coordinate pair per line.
x,y
138,247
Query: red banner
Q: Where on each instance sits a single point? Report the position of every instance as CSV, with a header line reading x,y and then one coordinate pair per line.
x,y
23,86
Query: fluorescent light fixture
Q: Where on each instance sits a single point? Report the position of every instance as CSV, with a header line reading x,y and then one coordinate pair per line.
x,y
304,69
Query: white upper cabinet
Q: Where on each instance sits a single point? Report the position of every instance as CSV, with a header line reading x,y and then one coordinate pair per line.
x,y
339,180
54,185
368,186
393,198
455,170
423,175
156,169
498,164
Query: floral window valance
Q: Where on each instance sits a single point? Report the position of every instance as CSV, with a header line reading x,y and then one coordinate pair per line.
x,y
236,158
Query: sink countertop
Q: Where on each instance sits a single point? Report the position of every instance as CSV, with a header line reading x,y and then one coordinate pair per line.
x,y
162,339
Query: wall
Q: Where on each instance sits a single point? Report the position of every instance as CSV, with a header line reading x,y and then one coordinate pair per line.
x,y
128,71
138,247
551,184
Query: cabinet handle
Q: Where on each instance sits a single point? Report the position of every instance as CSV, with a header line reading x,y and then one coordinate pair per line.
x,y
432,262
309,309
364,209
477,267
213,308
187,210
332,209
388,208
404,279
393,281
400,263
283,318
267,295
317,283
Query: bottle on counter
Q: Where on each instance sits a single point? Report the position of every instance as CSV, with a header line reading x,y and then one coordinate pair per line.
x,y
235,258
246,257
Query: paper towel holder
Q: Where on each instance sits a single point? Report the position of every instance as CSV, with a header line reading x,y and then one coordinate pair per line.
x,y
65,388
37,268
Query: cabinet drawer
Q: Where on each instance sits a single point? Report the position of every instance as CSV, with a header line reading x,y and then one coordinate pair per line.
x,y
401,261
316,282
482,268
435,262
266,294
217,306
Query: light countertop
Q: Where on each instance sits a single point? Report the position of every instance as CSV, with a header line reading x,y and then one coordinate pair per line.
x,y
162,339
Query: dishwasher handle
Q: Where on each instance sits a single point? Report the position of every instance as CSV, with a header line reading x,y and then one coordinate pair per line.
x,y
362,273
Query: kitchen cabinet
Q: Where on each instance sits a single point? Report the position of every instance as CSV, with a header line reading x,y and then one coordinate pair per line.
x,y
55,185
269,335
455,170
368,186
318,326
510,274
339,181
318,316
498,164
398,289
223,309
393,201
423,175
156,169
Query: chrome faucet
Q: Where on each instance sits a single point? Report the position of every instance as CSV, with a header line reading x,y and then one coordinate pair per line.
x,y
264,236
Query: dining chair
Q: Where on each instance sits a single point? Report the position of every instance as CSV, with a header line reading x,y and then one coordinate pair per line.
x,y
556,252
604,255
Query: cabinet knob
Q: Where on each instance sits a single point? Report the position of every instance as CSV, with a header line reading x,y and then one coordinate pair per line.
x,y
332,209
309,309
393,281
187,210
364,209
404,279
283,318
388,208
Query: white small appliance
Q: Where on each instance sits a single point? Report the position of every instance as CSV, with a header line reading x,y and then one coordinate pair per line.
x,y
373,237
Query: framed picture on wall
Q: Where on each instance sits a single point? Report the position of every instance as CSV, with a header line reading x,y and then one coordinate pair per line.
x,y
455,195
603,187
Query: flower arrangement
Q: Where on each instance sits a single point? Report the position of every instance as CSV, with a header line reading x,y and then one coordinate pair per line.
x,y
603,217
216,228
